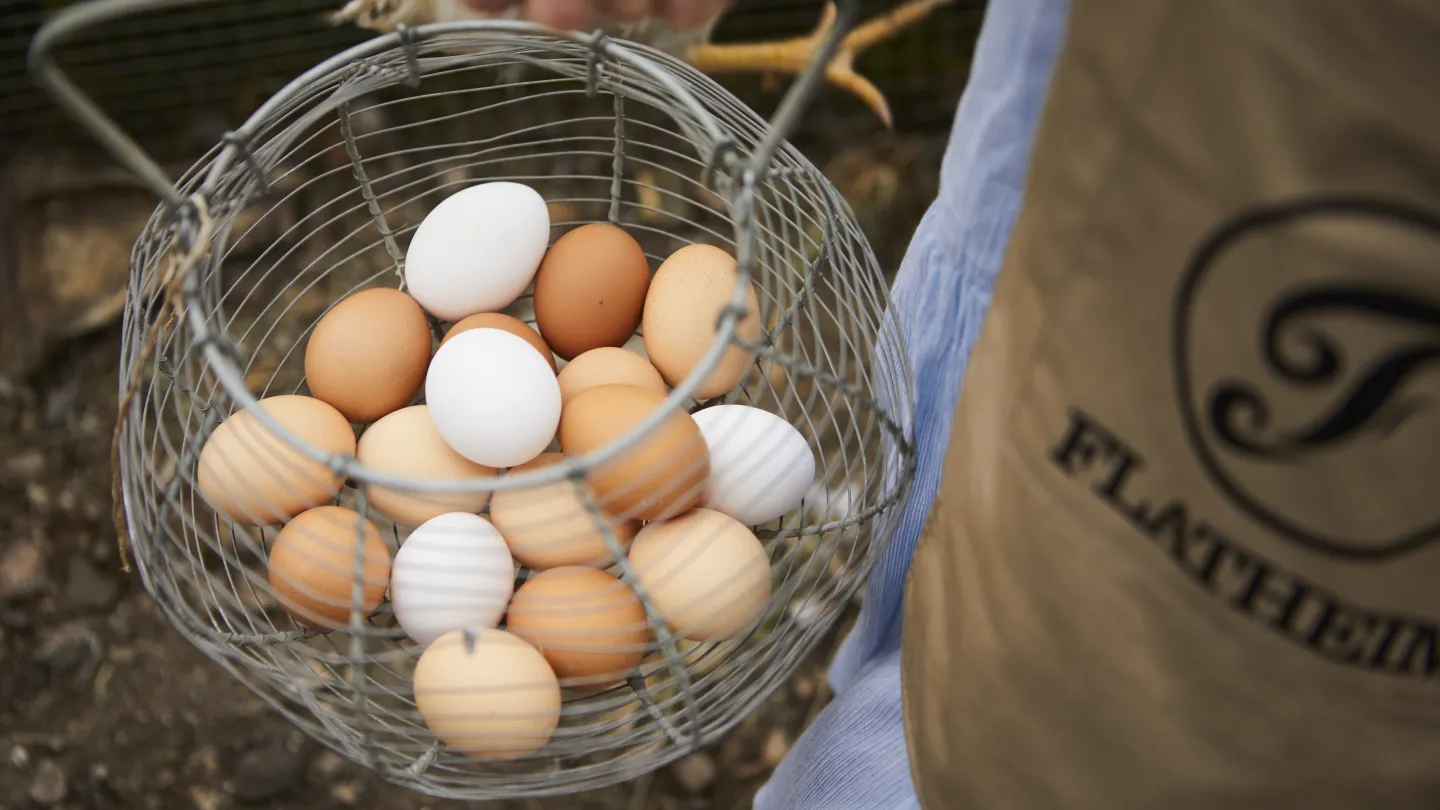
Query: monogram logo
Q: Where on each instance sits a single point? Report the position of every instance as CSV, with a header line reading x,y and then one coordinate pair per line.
x,y
1307,367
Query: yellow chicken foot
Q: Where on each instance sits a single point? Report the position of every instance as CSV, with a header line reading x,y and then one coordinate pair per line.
x,y
793,55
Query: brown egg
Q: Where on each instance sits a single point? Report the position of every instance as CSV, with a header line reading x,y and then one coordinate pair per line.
x,y
252,476
312,566
605,366
487,693
705,572
368,354
589,625
661,474
590,289
407,443
682,306
548,526
507,323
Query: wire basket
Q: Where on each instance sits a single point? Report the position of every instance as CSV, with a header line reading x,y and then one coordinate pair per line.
x,y
228,283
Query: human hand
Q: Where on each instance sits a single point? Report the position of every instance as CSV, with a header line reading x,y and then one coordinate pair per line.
x,y
576,14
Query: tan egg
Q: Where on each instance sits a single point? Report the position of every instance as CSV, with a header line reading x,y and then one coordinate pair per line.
x,y
368,354
590,289
312,566
660,475
681,310
487,693
706,573
548,526
252,476
608,365
587,623
407,443
506,323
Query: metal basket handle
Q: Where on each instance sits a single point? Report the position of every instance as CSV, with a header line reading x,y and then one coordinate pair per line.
x,y
68,22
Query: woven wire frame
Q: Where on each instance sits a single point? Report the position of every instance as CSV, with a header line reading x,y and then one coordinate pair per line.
x,y
314,199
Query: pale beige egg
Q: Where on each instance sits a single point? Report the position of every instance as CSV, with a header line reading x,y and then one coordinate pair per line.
x,y
689,291
487,693
252,476
706,573
406,443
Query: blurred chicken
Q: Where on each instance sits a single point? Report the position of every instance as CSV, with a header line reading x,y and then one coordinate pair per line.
x,y
787,56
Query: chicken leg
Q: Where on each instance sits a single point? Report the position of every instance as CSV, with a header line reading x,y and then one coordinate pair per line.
x,y
793,55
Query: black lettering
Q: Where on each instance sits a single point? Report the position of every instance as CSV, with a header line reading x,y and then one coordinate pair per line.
x,y
1340,633
1418,656
1172,523
1284,594
1139,514
1209,562
1113,488
1380,656
1255,586
1082,442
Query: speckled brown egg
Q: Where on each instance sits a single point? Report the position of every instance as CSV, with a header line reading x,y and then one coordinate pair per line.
x,y
660,475
506,323
253,476
682,308
406,443
590,289
367,356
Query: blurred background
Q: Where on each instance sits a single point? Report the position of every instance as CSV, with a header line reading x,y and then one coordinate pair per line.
x,y
102,704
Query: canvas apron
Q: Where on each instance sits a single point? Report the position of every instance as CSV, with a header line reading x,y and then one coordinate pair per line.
x,y
1186,552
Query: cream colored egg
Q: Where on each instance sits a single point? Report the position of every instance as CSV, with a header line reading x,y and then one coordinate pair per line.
x,y
707,574
253,476
406,443
685,299
487,694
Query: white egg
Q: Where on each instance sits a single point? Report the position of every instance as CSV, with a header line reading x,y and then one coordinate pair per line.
x,y
453,571
493,398
760,465
477,250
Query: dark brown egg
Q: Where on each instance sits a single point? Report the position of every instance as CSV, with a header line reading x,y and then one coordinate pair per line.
x,y
590,290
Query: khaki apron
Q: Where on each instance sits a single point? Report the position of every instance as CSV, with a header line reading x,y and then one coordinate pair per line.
x,y
1186,552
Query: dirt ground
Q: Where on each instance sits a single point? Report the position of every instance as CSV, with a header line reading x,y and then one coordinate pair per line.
x,y
104,705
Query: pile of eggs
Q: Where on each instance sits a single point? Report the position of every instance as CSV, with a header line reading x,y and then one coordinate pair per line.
x,y
682,503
